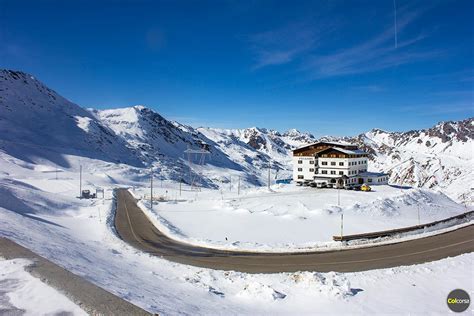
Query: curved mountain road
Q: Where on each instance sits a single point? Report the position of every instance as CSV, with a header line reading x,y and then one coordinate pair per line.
x,y
135,228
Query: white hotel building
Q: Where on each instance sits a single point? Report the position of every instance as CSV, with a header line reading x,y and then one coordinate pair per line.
x,y
333,163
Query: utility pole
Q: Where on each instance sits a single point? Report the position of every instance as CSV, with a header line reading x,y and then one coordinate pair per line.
x,y
181,181
56,173
151,189
268,175
230,183
338,197
342,225
80,181
238,187
418,207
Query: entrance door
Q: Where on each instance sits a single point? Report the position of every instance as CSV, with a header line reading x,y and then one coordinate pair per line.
x,y
361,180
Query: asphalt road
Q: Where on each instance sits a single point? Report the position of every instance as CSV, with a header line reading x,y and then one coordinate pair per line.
x,y
136,229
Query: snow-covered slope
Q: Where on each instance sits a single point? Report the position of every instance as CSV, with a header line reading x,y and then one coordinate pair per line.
x,y
256,148
163,144
440,157
245,152
37,124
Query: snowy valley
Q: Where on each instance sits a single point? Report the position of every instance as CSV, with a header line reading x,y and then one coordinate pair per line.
x,y
45,140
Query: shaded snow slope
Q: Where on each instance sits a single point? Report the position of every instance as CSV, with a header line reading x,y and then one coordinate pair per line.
x,y
38,124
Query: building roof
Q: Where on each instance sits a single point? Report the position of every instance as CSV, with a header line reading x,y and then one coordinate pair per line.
x,y
323,142
345,151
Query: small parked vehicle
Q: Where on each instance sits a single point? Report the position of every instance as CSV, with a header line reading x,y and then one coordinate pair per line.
x,y
366,188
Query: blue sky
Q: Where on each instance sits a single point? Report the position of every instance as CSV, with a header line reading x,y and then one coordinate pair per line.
x,y
328,67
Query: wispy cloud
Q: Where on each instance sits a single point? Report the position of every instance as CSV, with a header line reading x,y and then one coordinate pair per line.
x,y
301,42
376,53
371,88
439,109
285,44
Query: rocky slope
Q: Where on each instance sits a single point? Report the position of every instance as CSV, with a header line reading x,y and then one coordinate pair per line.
x,y
440,157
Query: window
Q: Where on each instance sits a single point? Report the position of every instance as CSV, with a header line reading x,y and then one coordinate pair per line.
x,y
300,177
333,172
341,172
324,171
333,163
369,180
324,163
341,164
311,162
300,169
311,169
300,161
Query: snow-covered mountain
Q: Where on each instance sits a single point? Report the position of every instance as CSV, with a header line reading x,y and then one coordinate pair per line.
x,y
161,143
37,125
440,157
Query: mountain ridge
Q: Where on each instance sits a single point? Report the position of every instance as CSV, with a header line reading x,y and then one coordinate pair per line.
x,y
439,157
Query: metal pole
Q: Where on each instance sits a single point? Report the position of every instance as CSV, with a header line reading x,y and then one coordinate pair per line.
x,y
230,183
338,197
180,186
238,187
268,176
151,189
342,224
418,207
80,181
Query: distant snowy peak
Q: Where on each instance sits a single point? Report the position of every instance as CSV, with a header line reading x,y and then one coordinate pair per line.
x,y
267,140
440,157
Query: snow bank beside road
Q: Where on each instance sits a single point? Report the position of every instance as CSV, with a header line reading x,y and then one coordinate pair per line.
x,y
22,293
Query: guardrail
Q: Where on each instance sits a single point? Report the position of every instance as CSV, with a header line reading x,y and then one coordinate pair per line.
x,y
465,216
